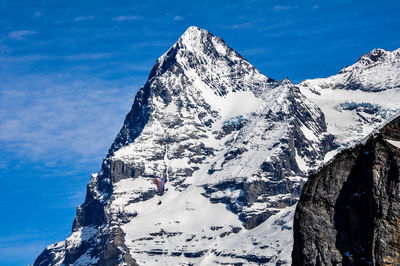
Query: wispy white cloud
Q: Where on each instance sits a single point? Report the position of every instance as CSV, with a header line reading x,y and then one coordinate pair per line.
x,y
25,245
89,56
244,25
20,34
76,197
3,48
178,18
84,18
155,43
126,18
277,26
282,7
37,14
22,251
6,59
61,120
255,51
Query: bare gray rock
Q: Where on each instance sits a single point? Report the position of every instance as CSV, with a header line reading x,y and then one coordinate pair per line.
x,y
349,211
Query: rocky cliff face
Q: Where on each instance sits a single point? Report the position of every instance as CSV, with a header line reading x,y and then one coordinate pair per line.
x,y
349,211
236,147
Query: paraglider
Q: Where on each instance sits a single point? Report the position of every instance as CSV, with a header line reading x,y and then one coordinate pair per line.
x,y
160,182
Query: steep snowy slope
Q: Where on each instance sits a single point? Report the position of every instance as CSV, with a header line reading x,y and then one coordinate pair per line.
x,y
188,227
236,148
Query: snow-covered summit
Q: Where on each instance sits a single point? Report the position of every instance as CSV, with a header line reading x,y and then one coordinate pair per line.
x,y
376,55
375,71
206,58
375,58
194,37
198,77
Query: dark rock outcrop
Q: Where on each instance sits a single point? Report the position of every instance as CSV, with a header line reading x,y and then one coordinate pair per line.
x,y
349,211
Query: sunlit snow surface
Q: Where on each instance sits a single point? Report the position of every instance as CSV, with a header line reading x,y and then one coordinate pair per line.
x,y
186,227
394,143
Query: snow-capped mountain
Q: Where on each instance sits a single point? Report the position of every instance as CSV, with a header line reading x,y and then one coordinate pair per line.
x,y
236,148
373,72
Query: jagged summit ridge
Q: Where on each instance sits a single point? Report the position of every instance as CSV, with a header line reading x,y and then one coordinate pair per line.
x,y
195,38
193,72
375,71
209,57
375,58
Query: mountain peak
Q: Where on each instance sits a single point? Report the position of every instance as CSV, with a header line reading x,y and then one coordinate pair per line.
x,y
207,61
373,56
193,35
194,42
373,71
286,81
196,39
194,31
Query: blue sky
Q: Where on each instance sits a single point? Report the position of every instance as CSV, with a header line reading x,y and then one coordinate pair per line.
x,y
69,71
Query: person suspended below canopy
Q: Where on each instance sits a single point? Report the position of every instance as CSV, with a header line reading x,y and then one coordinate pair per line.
x,y
160,182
